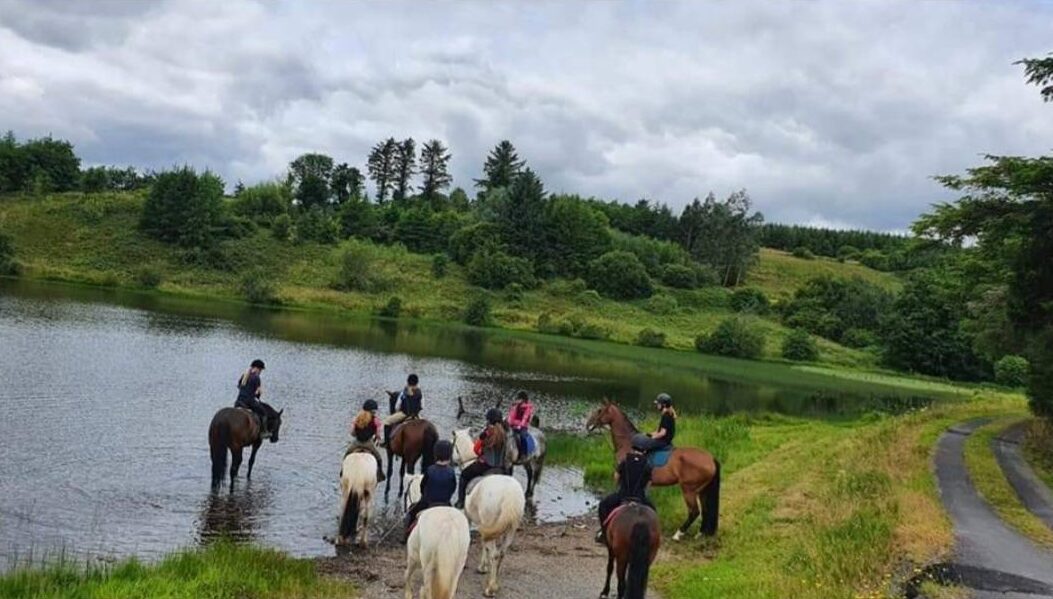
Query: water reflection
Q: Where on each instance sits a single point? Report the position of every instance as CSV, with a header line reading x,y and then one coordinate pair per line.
x,y
233,514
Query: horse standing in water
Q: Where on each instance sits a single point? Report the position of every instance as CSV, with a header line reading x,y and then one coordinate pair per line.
x,y
533,463
437,547
412,440
632,543
358,482
233,429
696,471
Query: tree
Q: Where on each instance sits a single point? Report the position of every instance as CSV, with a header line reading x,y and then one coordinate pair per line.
x,y
619,275
722,234
733,337
345,183
519,212
1039,71
800,346
830,307
434,162
381,167
309,177
575,234
263,201
502,166
184,207
404,167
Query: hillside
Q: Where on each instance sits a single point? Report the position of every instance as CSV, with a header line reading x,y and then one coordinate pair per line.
x,y
95,239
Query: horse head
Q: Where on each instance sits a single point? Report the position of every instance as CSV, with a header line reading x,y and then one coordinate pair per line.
x,y
463,447
604,415
276,423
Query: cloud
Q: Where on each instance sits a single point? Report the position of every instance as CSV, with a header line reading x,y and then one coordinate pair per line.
x,y
835,113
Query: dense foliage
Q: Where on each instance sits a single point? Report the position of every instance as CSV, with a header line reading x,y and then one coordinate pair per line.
x,y
8,265
619,275
184,207
831,307
800,346
1012,371
733,337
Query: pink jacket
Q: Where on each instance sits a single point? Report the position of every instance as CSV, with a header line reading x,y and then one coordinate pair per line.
x,y
524,411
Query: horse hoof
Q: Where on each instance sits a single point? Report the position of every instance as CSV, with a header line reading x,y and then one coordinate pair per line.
x,y
679,535
480,570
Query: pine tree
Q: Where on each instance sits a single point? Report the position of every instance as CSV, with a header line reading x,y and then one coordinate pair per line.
x,y
434,162
381,167
405,166
501,167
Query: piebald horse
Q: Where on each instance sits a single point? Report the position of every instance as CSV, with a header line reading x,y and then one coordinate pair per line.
x,y
437,547
696,471
358,483
234,429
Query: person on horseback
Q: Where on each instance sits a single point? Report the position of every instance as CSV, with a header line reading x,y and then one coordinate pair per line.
x,y
633,475
519,416
663,437
364,430
436,487
490,449
408,405
250,388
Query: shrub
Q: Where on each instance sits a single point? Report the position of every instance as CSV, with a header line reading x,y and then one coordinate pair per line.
x,y
315,224
282,227
662,304
183,207
732,337
591,330
567,287
800,346
874,259
679,276
470,240
572,326
650,338
148,276
494,269
847,252
620,275
477,313
440,263
256,288
546,323
263,201
358,270
392,309
8,264
857,337
803,253
750,300
1012,371
589,297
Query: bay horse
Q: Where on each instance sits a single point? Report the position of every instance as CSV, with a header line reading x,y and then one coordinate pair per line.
x,y
696,471
358,482
412,440
633,538
437,547
234,429
495,505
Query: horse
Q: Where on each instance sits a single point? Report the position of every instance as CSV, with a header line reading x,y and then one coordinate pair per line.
x,y
495,505
233,429
533,464
632,541
437,547
696,471
412,440
358,483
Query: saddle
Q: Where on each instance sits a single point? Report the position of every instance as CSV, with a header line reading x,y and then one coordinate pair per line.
x,y
261,422
659,457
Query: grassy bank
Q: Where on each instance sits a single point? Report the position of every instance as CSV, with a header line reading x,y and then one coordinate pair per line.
x,y
220,571
95,239
810,508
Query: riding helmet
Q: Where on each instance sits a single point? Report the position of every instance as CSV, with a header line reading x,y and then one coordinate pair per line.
x,y
258,364
521,395
443,450
370,405
664,400
493,416
412,380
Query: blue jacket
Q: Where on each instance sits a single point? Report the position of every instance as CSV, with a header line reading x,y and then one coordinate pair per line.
x,y
438,485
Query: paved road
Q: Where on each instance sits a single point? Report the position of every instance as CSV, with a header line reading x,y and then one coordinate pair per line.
x,y
990,558
1033,493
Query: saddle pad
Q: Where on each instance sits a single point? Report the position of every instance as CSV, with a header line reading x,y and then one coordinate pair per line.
x,y
531,444
660,457
475,481
618,510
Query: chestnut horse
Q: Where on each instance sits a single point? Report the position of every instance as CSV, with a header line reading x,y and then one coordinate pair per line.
x,y
412,440
696,471
632,542
234,429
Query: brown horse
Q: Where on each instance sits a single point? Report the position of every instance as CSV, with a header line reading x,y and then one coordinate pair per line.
x,y
632,541
234,429
696,471
411,440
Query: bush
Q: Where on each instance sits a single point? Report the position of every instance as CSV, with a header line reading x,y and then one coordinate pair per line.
x,y
256,288
662,304
263,201
183,207
859,338
749,300
1012,371
440,263
358,269
800,346
477,313
567,287
650,338
847,252
470,240
392,309
8,264
620,275
282,227
494,269
315,224
589,297
573,326
803,253
148,277
874,259
732,337
679,276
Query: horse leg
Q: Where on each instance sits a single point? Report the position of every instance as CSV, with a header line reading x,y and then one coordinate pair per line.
x,y
235,463
252,458
387,488
529,467
622,566
402,477
412,565
498,558
610,570
484,558
691,499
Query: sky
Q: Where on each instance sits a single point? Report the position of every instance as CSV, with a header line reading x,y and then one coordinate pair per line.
x,y
827,113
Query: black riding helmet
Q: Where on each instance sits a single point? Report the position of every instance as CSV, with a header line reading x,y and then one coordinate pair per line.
x,y
521,395
370,405
493,416
412,380
664,400
443,450
258,364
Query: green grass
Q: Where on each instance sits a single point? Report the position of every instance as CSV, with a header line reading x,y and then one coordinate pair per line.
x,y
94,239
1038,449
991,484
809,508
220,571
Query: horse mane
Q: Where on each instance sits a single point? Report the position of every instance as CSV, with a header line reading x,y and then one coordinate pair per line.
x,y
625,417
267,408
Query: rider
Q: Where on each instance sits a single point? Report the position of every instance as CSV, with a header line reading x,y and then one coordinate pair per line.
x,y
519,416
663,437
364,431
490,449
633,475
408,405
436,487
249,390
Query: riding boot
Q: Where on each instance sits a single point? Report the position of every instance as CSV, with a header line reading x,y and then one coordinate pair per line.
x,y
381,477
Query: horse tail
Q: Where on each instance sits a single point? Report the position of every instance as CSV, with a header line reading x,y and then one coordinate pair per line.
x,y
535,421
349,520
711,504
639,561
219,441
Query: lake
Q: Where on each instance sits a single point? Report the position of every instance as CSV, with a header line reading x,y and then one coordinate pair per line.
x,y
107,397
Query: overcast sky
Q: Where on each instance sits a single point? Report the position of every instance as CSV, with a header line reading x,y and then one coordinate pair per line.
x,y
830,113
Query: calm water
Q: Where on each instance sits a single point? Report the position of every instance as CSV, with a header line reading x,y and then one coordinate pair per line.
x,y
106,400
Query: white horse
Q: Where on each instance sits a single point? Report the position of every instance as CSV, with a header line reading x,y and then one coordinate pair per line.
x,y
358,483
495,505
438,547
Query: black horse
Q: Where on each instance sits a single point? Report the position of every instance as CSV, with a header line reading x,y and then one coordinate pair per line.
x,y
233,429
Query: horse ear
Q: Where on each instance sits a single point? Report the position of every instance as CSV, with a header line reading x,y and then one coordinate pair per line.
x,y
606,401
281,411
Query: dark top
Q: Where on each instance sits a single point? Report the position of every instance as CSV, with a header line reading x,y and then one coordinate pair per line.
x,y
366,433
411,402
669,424
438,485
634,474
248,392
